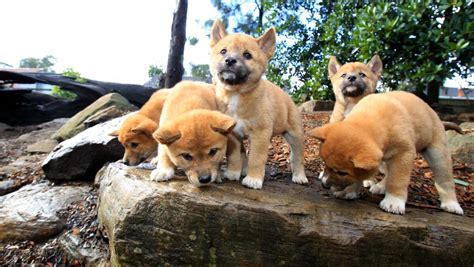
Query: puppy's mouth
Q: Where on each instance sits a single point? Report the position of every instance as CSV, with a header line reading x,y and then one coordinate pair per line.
x,y
233,76
353,89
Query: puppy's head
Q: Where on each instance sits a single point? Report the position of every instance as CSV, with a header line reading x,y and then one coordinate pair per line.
x,y
349,155
239,60
355,78
196,142
135,134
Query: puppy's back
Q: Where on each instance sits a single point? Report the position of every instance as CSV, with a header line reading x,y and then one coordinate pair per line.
x,y
186,96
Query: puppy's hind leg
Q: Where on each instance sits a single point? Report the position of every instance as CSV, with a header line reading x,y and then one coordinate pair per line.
x,y
439,159
295,140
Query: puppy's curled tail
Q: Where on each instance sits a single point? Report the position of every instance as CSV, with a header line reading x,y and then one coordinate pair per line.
x,y
452,126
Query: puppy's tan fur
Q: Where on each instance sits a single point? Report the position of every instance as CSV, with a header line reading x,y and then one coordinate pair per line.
x,y
135,133
261,109
351,82
389,127
192,134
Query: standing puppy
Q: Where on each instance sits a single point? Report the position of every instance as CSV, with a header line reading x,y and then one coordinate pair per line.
x,y
389,127
192,134
351,82
260,108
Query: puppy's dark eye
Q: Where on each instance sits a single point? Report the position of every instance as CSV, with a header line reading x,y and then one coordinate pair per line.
x,y
342,173
343,75
133,145
361,74
187,156
213,151
223,51
247,55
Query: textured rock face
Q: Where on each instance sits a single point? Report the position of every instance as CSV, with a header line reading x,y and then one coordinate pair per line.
x,y
76,124
83,155
31,212
462,146
151,224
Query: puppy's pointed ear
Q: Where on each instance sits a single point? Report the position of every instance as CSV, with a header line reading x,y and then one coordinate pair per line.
x,y
333,66
320,133
146,127
167,134
267,42
367,159
217,32
114,132
375,65
223,124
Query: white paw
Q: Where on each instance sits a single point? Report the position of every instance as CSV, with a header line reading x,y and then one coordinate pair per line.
x,y
368,183
162,174
393,204
340,194
252,182
300,179
232,175
452,206
377,189
351,195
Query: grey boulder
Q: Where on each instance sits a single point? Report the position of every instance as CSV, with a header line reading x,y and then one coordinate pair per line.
x,y
175,223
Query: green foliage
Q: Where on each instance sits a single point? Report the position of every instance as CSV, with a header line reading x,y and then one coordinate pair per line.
x,y
193,40
154,70
71,73
419,42
44,63
201,71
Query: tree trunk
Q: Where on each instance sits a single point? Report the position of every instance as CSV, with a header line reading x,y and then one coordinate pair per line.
x,y
432,90
175,69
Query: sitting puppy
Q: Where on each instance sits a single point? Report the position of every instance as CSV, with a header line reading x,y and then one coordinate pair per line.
x,y
191,135
389,127
351,82
261,109
135,133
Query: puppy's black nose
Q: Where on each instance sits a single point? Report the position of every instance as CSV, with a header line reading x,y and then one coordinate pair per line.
x,y
204,179
352,78
230,61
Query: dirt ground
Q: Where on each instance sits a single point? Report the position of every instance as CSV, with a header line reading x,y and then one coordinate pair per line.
x,y
82,220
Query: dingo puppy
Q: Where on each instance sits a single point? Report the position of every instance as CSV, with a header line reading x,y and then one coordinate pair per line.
x,y
389,127
192,135
260,108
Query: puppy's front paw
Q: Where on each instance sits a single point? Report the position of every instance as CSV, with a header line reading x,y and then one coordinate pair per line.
x,y
452,206
300,179
368,183
232,175
162,174
377,189
255,183
393,204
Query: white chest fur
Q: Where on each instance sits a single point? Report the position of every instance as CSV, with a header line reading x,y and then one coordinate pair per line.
x,y
232,110
349,108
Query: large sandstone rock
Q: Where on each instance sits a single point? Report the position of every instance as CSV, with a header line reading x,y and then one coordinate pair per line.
x,y
76,124
174,223
81,156
462,146
316,105
31,212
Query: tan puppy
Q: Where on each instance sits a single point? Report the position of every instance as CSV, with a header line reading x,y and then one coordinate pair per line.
x,y
135,133
351,82
192,135
261,109
389,127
